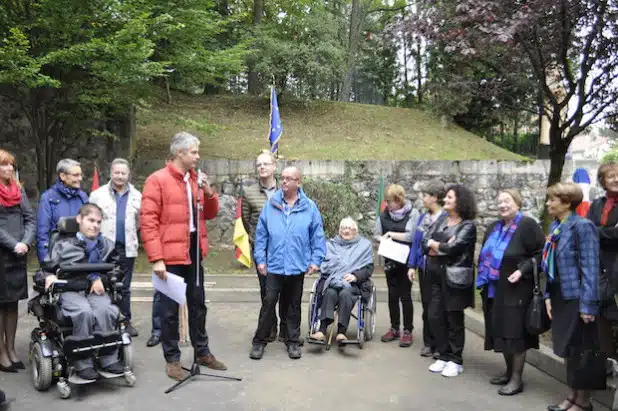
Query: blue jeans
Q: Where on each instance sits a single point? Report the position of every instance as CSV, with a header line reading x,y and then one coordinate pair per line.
x,y
156,314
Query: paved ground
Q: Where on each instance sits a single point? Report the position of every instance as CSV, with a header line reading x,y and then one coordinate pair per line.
x,y
381,376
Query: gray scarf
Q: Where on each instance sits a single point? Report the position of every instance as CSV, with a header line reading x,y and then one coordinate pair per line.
x,y
344,257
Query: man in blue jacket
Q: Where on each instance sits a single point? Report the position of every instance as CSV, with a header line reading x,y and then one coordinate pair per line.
x,y
289,242
63,199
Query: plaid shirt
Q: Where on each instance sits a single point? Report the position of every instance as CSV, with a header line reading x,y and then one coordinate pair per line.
x,y
579,255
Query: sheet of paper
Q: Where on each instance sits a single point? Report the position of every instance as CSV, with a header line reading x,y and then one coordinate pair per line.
x,y
394,250
174,287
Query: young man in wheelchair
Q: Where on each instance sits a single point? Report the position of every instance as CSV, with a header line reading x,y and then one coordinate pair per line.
x,y
91,310
346,271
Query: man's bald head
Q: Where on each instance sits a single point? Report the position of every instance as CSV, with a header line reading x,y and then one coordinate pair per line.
x,y
290,179
292,170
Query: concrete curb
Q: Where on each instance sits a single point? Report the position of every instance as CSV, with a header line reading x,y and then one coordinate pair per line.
x,y
544,359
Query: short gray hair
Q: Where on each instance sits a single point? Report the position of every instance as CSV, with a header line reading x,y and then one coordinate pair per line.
x,y
348,222
121,161
183,141
65,165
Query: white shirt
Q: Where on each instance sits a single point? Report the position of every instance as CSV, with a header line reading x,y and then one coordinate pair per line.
x,y
190,197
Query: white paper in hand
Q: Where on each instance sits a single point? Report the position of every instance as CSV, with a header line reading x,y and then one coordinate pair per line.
x,y
394,250
175,287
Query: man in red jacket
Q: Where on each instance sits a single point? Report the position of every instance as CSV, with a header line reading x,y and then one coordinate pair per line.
x,y
169,232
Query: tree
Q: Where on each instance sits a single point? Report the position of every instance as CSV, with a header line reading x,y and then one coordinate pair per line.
x,y
569,46
253,81
73,67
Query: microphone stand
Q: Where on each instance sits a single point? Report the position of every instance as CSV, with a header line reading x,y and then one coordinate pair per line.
x,y
195,368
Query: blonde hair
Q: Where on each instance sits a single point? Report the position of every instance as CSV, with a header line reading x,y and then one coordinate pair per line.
x,y
514,195
8,158
270,155
567,193
395,192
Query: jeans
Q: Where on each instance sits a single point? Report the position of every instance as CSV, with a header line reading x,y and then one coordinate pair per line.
x,y
126,266
156,314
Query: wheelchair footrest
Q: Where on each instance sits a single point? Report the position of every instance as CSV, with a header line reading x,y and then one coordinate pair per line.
x,y
77,380
347,342
314,341
108,375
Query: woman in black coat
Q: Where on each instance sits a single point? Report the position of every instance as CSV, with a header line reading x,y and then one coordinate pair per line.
x,y
449,246
505,278
17,230
604,214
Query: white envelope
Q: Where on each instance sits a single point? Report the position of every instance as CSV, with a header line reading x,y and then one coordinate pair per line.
x,y
175,287
393,250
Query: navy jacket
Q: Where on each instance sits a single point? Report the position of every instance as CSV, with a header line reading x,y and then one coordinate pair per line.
x,y
58,201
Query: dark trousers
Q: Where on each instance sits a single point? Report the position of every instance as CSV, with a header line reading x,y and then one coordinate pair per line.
x,y
282,309
126,266
344,299
447,327
288,289
196,307
399,290
156,314
425,287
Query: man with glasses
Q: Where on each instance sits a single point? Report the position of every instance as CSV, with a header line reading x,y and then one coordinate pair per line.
x,y
289,242
254,198
63,199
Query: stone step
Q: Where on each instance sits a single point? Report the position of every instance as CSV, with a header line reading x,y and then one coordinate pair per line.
x,y
236,288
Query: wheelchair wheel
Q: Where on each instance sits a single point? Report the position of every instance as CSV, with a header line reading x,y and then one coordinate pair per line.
x,y
313,327
370,316
41,368
127,355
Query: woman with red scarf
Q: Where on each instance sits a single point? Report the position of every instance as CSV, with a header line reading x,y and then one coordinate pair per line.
x,y
604,214
17,230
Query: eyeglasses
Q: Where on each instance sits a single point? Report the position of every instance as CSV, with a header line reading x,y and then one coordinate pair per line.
x,y
289,178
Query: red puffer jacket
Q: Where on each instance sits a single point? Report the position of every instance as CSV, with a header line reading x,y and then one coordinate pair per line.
x,y
164,217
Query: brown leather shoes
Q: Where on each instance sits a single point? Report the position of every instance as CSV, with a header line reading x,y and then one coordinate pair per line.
x,y
175,371
211,362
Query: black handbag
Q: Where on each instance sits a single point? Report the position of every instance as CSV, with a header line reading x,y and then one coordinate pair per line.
x,y
586,364
459,277
537,320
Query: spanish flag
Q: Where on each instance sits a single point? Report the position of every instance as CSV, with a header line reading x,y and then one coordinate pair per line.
x,y
241,238
95,179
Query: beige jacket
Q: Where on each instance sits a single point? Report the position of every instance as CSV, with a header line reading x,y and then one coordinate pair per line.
x,y
104,197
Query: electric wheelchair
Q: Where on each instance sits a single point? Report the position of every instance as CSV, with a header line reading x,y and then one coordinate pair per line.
x,y
364,312
53,349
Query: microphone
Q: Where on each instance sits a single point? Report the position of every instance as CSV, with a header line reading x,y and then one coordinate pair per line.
x,y
199,183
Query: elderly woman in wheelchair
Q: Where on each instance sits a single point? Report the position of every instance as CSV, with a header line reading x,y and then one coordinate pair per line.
x,y
78,319
344,283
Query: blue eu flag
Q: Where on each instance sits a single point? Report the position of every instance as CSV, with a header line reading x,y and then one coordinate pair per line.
x,y
276,129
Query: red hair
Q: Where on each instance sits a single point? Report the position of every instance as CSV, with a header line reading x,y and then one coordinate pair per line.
x,y
8,158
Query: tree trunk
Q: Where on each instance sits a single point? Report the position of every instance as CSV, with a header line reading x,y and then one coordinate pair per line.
x,y
253,80
355,29
516,133
419,72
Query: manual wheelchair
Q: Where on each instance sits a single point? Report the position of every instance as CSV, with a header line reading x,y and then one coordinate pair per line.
x,y
364,312
53,349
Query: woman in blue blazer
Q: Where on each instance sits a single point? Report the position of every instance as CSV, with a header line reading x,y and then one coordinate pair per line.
x,y
571,263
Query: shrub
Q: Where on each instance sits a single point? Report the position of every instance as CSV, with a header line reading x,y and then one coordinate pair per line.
x,y
335,201
611,156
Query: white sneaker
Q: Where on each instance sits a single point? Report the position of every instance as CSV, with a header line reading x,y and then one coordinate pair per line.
x,y
437,366
452,369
